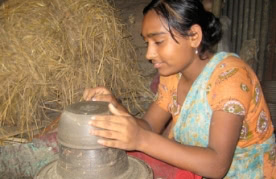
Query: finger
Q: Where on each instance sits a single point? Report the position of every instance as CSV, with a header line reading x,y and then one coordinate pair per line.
x,y
108,134
110,122
86,93
102,90
89,93
116,111
110,118
113,143
108,125
103,97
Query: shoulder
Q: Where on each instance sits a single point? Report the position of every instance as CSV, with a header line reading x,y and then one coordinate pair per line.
x,y
231,61
232,83
235,68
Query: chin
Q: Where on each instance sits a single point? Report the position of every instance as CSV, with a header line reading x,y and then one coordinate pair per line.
x,y
162,73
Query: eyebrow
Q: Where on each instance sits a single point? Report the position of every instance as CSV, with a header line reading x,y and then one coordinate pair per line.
x,y
153,34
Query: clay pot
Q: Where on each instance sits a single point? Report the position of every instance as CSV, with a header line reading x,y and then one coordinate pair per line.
x,y
73,128
81,157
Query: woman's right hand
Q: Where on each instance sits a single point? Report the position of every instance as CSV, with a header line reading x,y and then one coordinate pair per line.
x,y
101,94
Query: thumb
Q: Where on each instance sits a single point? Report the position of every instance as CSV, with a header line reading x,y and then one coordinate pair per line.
x,y
116,111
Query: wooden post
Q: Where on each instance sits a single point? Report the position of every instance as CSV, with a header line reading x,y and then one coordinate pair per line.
x,y
263,38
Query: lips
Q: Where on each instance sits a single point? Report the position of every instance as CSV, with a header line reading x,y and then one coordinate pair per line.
x,y
157,64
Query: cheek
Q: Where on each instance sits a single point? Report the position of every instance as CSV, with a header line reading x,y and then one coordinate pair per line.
x,y
175,55
166,51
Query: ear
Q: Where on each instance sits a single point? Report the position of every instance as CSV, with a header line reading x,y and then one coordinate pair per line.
x,y
196,36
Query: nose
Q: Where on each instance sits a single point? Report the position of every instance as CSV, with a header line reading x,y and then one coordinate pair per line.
x,y
151,53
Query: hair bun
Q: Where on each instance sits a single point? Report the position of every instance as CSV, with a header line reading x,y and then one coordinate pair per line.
x,y
213,31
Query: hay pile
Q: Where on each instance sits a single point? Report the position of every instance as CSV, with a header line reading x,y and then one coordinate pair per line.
x,y
51,50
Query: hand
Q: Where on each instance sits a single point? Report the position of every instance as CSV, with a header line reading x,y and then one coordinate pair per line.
x,y
119,130
99,94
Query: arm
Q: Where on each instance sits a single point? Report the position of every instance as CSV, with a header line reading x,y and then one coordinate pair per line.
x,y
157,118
154,120
213,161
150,121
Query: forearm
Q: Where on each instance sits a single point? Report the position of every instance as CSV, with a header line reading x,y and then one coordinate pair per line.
x,y
202,161
141,122
144,124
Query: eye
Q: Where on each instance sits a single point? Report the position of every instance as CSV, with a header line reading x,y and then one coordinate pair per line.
x,y
158,42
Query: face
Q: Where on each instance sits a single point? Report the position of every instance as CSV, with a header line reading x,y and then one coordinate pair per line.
x,y
167,55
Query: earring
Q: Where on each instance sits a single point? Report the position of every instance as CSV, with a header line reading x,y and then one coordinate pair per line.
x,y
196,51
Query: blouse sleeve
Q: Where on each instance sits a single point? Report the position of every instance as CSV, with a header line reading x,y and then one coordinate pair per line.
x,y
231,87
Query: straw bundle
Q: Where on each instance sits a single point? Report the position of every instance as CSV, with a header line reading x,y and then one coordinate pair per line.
x,y
51,50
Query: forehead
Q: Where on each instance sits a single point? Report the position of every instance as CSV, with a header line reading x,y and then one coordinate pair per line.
x,y
153,24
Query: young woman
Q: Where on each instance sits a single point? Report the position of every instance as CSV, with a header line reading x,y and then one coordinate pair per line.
x,y
221,123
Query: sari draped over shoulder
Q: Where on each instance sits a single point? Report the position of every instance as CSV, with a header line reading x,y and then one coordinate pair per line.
x,y
192,127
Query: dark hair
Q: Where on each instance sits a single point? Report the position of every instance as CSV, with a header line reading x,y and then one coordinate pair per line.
x,y
182,14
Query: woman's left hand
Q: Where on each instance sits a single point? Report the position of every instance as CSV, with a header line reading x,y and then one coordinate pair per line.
x,y
119,130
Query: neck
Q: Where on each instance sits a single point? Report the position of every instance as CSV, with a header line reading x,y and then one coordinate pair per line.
x,y
194,69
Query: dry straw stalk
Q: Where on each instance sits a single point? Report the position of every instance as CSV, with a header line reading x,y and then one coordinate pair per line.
x,y
51,50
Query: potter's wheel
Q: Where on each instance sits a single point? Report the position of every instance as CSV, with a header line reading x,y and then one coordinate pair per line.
x,y
137,169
